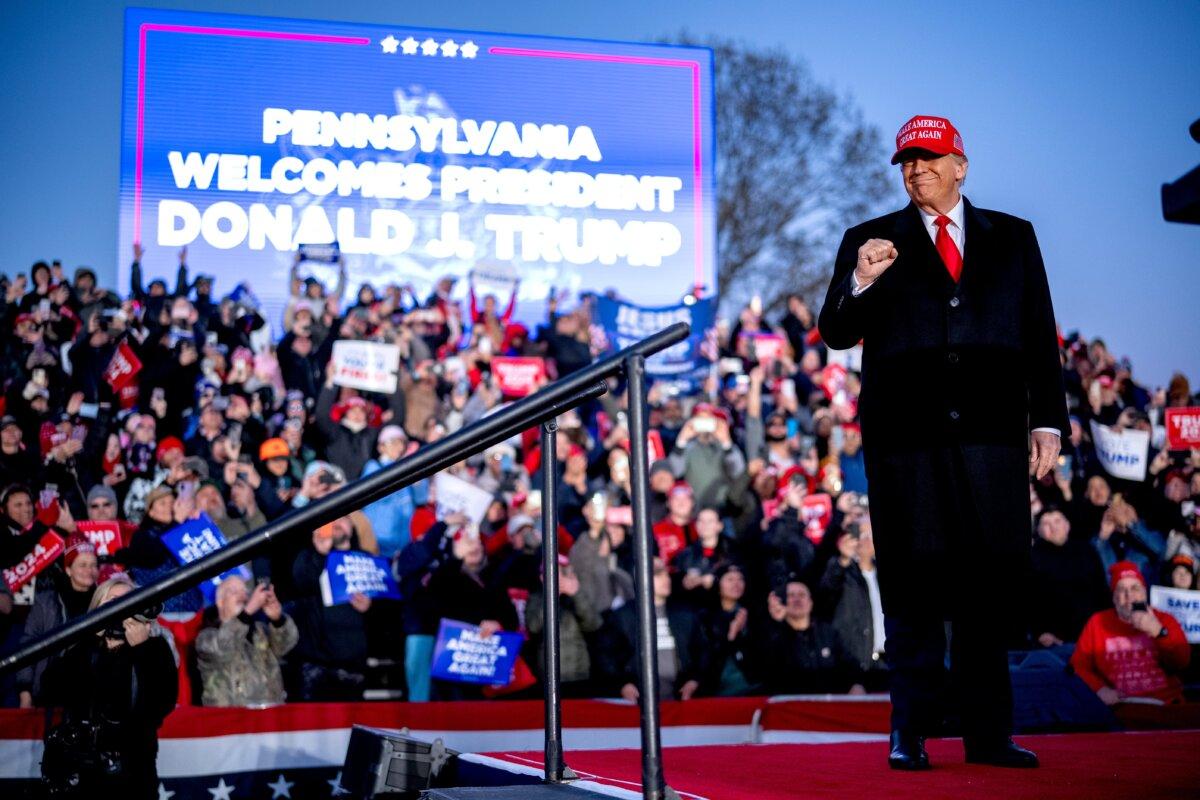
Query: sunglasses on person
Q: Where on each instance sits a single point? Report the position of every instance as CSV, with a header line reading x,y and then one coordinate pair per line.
x,y
100,504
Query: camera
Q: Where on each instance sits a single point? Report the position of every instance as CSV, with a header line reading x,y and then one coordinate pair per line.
x,y
74,751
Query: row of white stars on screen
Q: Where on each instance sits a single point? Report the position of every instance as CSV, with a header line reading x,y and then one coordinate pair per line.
x,y
281,788
429,47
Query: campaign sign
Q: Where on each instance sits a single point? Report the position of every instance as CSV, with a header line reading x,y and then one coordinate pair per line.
x,y
833,382
767,347
518,376
369,366
585,165
455,495
349,572
461,654
1123,454
195,539
816,512
1183,605
622,324
122,370
1183,428
106,536
48,548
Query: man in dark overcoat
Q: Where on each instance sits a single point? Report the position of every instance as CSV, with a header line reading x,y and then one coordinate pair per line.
x,y
962,399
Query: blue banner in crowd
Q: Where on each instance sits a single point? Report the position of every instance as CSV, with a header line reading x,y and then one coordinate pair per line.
x,y
349,572
461,655
688,361
197,538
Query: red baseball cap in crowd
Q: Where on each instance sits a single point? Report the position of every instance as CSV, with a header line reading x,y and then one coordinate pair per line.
x,y
1124,569
167,445
935,135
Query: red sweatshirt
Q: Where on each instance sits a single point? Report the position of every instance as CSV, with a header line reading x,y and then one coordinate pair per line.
x,y
1113,653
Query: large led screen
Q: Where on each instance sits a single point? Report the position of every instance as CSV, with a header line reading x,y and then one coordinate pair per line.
x,y
573,165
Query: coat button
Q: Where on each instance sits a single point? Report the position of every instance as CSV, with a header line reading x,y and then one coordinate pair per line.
x,y
952,358
954,414
954,301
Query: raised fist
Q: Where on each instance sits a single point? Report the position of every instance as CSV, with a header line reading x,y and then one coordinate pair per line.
x,y
874,257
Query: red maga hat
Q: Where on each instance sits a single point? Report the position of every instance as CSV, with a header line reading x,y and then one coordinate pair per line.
x,y
1124,569
935,135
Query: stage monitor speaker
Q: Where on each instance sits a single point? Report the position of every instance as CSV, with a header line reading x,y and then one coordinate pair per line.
x,y
382,762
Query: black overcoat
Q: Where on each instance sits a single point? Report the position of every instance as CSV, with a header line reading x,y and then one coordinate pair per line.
x,y
954,377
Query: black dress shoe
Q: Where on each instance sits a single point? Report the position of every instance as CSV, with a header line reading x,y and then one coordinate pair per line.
x,y
1001,754
908,752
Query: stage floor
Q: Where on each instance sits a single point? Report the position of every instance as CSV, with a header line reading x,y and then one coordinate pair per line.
x,y
1133,766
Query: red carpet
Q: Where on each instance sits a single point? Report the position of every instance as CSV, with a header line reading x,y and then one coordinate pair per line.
x,y
1129,766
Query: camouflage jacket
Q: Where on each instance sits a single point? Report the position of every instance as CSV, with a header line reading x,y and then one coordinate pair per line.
x,y
239,661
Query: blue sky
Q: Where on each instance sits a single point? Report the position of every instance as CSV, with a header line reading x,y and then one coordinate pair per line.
x,y
1073,115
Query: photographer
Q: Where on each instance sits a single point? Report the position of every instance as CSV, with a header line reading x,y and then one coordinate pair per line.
x,y
115,690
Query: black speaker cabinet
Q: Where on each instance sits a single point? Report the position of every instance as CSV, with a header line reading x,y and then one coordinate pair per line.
x,y
383,762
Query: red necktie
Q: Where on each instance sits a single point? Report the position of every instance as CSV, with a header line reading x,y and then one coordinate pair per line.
x,y
947,249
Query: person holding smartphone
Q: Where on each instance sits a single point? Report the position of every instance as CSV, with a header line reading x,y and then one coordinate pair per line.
x,y
1131,650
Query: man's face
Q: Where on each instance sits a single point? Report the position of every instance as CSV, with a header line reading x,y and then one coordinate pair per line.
x,y
1054,528
799,600
851,441
231,598
10,437
102,509
672,413
708,524
343,529
933,182
211,417
277,466
1127,592
680,504
661,481
210,501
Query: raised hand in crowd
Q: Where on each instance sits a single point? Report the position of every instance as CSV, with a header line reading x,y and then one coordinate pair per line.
x,y
257,600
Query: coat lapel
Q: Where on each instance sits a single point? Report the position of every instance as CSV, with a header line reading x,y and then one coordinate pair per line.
x,y
975,244
913,239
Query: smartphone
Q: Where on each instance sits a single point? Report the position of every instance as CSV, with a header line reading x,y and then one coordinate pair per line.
x,y
187,490
1140,607
704,425
158,395
1064,466
793,427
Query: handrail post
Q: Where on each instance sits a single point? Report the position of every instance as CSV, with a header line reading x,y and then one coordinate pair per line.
x,y
551,668
653,782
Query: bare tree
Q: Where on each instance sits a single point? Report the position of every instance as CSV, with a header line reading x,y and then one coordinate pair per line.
x,y
796,166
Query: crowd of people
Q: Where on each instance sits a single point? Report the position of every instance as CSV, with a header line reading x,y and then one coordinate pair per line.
x,y
764,574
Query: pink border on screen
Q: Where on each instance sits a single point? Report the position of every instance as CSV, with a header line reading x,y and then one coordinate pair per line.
x,y
206,31
697,160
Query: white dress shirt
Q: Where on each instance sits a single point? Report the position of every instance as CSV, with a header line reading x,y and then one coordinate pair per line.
x,y
958,233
